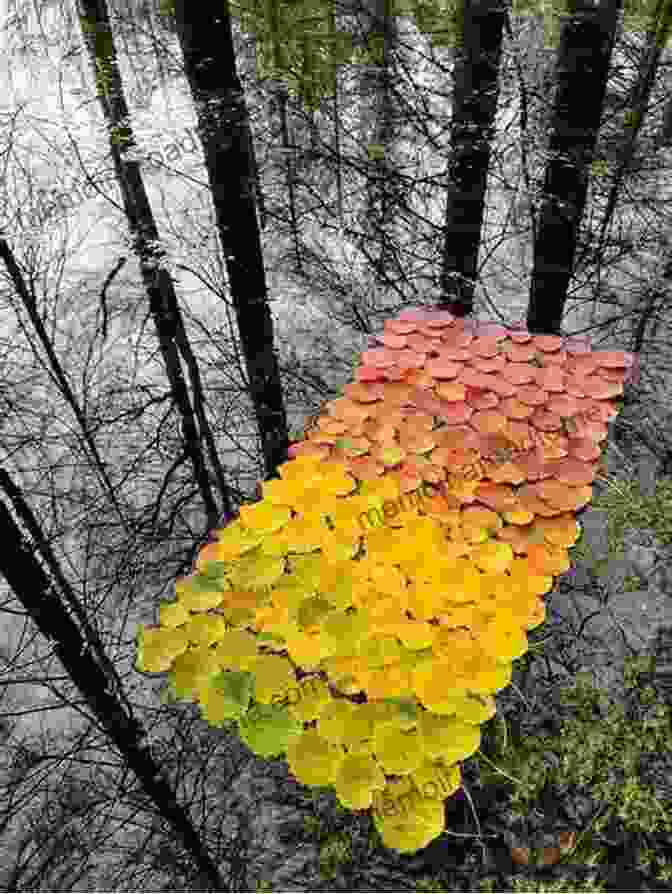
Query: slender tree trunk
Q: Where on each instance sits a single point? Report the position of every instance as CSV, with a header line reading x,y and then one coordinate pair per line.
x,y
28,300
24,574
586,44
41,545
337,153
158,283
210,66
254,167
656,38
475,95
382,33
290,153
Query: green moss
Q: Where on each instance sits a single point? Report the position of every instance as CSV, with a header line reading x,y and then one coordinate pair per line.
x,y
313,826
628,508
525,884
587,750
335,851
633,582
431,884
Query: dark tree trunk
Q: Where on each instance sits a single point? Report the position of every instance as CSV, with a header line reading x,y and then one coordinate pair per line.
x,y
163,303
224,129
475,94
584,55
89,671
379,131
666,129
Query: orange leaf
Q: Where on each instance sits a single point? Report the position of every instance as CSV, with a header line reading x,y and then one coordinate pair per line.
x,y
519,373
530,500
514,536
451,391
551,378
399,327
365,468
475,379
490,364
442,369
457,412
364,393
455,338
485,401
547,342
563,405
394,393
496,496
567,840
583,449
503,387
488,422
531,394
393,341
600,388
417,421
439,320
411,359
614,358
613,375
379,357
557,358
520,855
546,421
459,355
591,431
381,433
304,448
521,353
369,374
407,474
520,336
484,346
571,471
514,409
549,856
539,558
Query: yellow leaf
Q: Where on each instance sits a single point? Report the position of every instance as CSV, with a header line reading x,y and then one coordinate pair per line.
x,y
205,629
191,670
173,614
494,556
264,518
158,647
273,677
255,571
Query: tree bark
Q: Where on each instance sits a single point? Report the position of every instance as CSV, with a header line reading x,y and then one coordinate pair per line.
x,y
223,125
24,574
666,129
378,121
475,95
584,55
158,283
